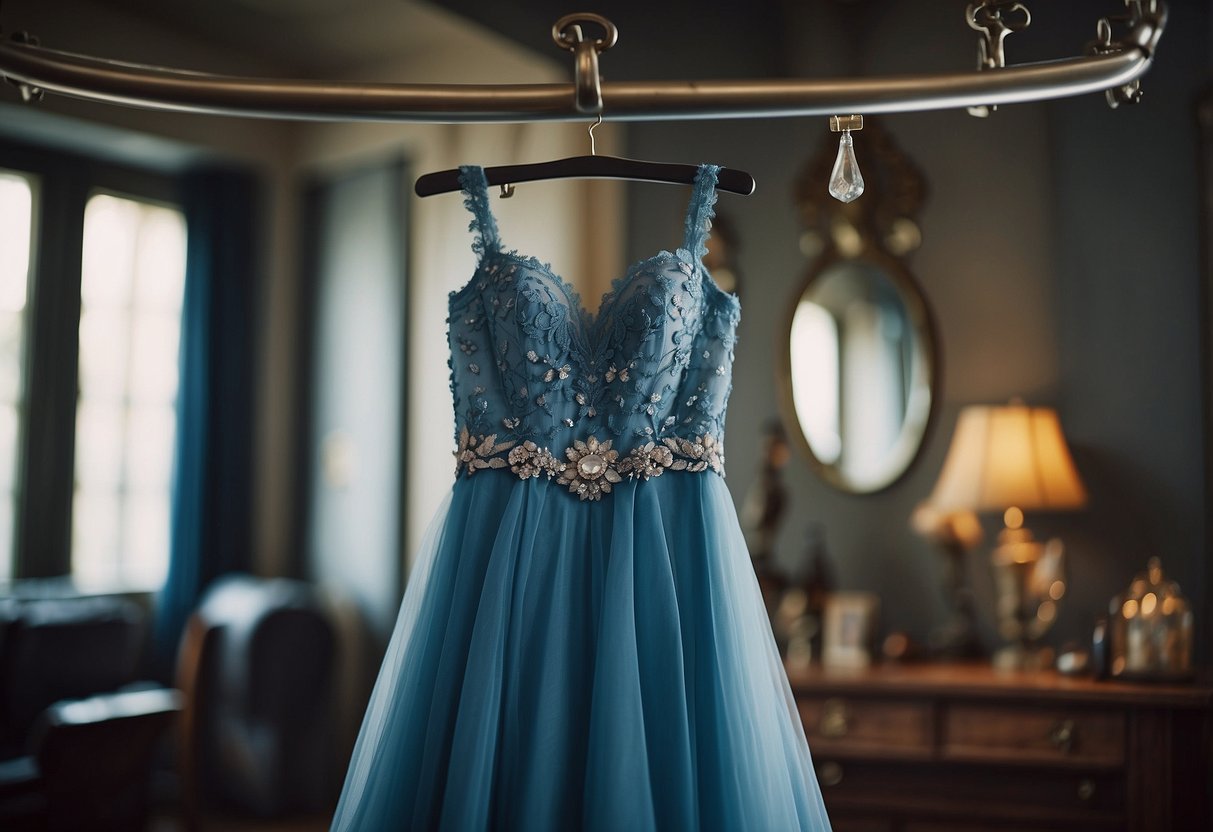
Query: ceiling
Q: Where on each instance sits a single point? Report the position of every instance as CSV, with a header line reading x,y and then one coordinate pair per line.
x,y
658,38
305,38
314,38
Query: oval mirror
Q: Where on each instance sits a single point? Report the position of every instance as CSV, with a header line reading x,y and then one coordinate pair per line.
x,y
859,356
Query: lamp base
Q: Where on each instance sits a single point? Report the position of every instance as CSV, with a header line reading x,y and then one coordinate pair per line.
x,y
1029,584
1023,657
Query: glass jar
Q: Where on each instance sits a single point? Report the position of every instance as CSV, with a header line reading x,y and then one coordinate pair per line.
x,y
1151,629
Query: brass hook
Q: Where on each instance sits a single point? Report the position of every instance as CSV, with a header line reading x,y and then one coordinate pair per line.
x,y
587,83
995,19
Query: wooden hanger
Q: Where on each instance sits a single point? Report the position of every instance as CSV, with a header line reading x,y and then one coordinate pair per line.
x,y
588,167
592,166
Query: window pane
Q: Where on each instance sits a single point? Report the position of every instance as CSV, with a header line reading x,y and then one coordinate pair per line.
x,y
99,442
147,466
16,239
12,326
154,356
160,272
111,226
104,342
95,537
146,538
7,506
10,422
16,222
132,280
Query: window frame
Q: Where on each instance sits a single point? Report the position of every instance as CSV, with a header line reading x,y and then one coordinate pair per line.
x,y
18,480
45,471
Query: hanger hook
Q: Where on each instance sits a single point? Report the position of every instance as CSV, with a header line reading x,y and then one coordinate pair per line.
x,y
597,122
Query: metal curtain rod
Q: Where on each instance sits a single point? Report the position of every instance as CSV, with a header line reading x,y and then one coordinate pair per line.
x,y
1111,65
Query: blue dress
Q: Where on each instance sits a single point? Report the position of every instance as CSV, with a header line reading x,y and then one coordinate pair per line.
x,y
582,644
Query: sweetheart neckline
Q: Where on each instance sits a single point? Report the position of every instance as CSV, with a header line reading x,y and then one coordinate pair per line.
x,y
572,293
590,322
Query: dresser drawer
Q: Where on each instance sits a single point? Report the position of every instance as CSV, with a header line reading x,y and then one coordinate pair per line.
x,y
965,797
1015,734
871,728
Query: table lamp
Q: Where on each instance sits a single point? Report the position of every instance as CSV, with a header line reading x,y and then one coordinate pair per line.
x,y
1012,459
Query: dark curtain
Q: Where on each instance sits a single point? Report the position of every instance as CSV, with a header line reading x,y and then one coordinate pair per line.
x,y
211,511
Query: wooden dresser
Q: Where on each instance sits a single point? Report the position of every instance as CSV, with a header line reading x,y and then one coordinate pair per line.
x,y
912,748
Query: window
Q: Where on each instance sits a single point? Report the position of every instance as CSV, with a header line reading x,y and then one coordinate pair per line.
x,y
16,235
132,280
92,278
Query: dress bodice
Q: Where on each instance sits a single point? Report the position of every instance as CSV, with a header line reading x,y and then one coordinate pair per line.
x,y
543,387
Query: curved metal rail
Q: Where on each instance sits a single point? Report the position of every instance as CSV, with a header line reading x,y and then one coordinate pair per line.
x,y
1116,65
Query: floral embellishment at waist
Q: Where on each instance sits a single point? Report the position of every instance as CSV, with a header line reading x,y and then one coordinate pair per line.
x,y
589,468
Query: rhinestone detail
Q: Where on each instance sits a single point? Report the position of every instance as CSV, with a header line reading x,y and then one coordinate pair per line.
x,y
589,468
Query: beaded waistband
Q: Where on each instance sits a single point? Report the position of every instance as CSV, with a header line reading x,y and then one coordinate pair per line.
x,y
589,468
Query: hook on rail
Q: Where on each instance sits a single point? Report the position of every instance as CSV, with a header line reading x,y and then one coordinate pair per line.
x,y
1137,12
994,19
29,93
587,82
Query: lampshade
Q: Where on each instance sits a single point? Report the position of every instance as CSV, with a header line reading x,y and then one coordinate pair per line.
x,y
1013,455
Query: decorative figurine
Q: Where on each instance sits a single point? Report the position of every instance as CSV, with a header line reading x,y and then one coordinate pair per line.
x,y
762,514
955,534
1151,629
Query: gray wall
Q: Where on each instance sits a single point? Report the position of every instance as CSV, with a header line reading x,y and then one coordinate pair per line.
x,y
355,454
1061,258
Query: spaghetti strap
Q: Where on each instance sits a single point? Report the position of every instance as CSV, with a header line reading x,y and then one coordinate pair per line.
x,y
700,210
476,200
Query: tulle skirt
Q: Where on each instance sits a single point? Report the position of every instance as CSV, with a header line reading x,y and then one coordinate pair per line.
x,y
563,665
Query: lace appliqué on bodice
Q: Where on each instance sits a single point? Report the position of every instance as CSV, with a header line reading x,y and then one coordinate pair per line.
x,y
541,387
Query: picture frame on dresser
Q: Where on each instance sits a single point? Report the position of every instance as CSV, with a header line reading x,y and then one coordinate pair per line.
x,y
849,621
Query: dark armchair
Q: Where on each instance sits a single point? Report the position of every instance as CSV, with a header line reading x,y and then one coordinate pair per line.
x,y
88,763
257,668
77,734
62,648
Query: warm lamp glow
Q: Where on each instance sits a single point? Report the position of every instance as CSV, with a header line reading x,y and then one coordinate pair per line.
x,y
1014,459
1012,456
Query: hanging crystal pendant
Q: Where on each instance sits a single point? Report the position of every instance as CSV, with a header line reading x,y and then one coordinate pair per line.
x,y
846,182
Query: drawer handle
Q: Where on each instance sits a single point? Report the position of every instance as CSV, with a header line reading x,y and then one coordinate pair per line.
x,y
1063,736
834,718
1086,788
829,774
